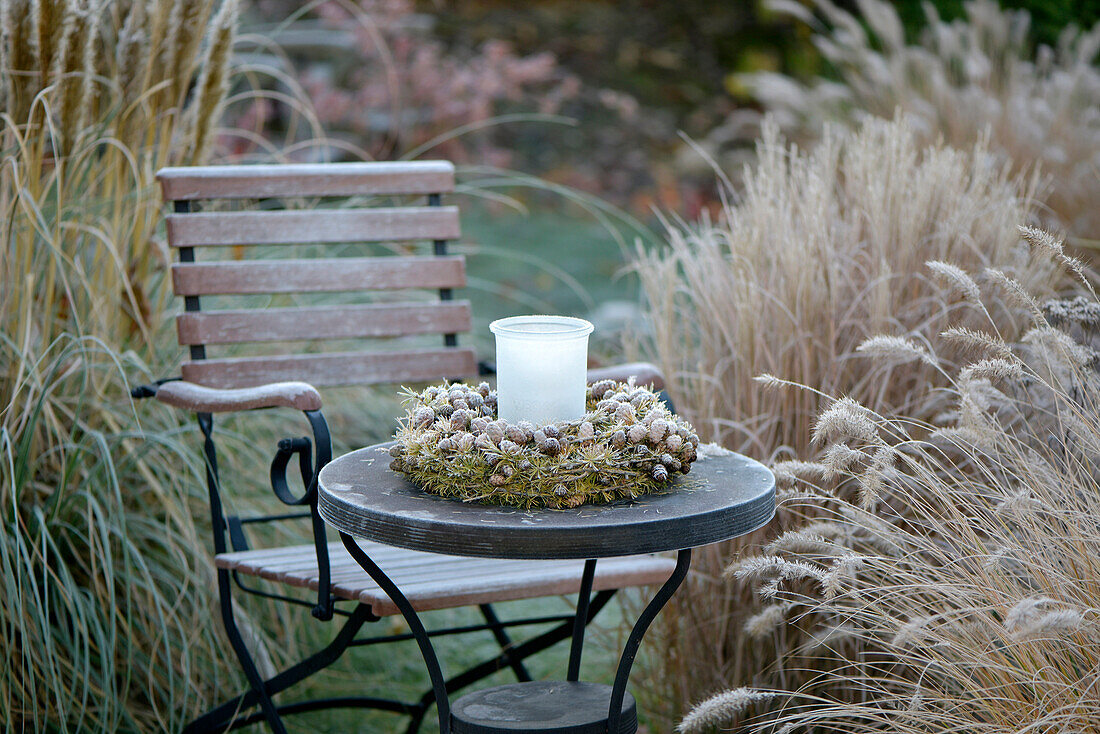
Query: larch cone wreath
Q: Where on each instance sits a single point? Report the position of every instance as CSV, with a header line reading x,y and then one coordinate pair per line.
x,y
451,443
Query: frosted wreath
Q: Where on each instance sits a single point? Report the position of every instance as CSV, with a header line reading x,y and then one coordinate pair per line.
x,y
628,444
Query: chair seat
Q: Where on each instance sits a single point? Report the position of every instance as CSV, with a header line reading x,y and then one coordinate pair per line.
x,y
431,581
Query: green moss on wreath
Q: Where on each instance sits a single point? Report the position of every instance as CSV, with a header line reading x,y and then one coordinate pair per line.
x,y
451,443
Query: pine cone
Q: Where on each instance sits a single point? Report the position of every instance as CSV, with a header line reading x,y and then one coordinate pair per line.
x,y
550,447
483,389
637,433
625,413
602,388
423,417
586,432
495,431
551,431
657,430
459,419
516,434
673,442
660,473
618,439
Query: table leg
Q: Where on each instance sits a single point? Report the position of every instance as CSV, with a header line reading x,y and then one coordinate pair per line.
x,y
683,560
580,620
442,702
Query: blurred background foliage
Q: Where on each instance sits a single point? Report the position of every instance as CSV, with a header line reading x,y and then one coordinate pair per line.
x,y
636,78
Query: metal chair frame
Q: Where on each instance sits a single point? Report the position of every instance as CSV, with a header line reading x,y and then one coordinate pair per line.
x,y
228,533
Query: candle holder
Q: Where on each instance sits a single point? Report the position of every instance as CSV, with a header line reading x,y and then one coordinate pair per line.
x,y
542,363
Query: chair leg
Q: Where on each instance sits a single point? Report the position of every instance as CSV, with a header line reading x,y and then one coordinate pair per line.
x,y
225,716
255,680
504,641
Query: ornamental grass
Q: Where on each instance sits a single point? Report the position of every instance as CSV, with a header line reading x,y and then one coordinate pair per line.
x,y
978,78
945,568
104,570
820,252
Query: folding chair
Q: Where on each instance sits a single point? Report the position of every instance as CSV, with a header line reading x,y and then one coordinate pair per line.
x,y
373,243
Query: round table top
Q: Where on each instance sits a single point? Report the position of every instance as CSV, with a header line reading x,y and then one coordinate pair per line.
x,y
724,496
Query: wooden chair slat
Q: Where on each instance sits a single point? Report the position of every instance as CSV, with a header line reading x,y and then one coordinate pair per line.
x,y
489,584
313,226
350,368
414,572
308,179
336,274
432,581
323,322
286,556
410,569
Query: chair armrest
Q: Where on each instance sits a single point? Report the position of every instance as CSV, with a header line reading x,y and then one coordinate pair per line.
x,y
200,399
644,373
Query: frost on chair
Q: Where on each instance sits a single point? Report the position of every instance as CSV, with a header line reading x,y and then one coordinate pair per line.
x,y
365,239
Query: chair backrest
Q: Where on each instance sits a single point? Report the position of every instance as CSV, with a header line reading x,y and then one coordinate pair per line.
x,y
393,293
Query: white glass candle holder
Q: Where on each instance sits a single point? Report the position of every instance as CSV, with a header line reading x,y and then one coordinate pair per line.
x,y
542,363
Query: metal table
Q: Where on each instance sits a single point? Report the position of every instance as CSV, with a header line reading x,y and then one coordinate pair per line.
x,y
723,497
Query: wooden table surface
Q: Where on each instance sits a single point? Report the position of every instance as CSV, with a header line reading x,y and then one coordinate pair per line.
x,y
723,497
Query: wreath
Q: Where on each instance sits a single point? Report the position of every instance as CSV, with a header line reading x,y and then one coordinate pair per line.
x,y
451,443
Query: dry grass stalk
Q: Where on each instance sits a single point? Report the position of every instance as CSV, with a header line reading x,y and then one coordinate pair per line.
x,y
962,82
822,251
213,84
975,584
76,70
51,28
191,23
21,39
132,51
719,708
